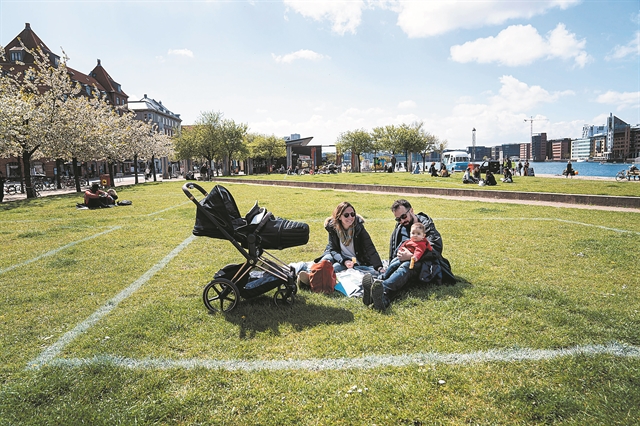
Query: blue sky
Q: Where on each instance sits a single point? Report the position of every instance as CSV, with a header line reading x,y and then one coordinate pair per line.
x,y
319,68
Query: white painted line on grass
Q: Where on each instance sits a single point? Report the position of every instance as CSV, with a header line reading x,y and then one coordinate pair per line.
x,y
52,252
54,350
367,362
598,226
541,219
169,208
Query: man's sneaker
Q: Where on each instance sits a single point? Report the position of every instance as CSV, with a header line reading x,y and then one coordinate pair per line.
x,y
367,281
380,301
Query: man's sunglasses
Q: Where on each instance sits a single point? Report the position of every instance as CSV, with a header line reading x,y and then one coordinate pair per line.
x,y
352,214
403,217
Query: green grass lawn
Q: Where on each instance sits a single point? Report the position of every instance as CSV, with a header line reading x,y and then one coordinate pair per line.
x,y
520,184
532,279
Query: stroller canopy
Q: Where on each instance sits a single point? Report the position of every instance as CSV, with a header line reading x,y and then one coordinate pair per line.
x,y
218,217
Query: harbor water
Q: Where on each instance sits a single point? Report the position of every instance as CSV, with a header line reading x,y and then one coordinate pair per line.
x,y
584,169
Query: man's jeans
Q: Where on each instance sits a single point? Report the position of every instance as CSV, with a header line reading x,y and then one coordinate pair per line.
x,y
398,278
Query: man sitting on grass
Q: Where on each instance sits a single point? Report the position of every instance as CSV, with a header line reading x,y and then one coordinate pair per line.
x,y
432,267
95,198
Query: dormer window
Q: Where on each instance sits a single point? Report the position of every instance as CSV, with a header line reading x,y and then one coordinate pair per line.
x,y
17,56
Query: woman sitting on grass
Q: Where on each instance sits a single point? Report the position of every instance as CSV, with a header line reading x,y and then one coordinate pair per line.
x,y
350,244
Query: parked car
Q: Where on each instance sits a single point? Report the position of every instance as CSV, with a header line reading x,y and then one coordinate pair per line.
x,y
492,165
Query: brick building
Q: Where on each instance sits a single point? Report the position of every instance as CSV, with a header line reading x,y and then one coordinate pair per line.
x,y
97,79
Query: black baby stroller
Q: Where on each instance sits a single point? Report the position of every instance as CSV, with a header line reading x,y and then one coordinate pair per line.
x,y
218,217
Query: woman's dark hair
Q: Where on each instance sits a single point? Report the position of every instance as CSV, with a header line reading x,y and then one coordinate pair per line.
x,y
338,211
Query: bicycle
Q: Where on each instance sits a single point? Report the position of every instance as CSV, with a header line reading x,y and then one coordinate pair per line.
x,y
627,174
11,188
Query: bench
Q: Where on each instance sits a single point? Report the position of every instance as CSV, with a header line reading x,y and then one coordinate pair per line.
x,y
119,176
635,174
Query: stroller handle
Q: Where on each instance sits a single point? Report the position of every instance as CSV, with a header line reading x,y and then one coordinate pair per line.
x,y
190,185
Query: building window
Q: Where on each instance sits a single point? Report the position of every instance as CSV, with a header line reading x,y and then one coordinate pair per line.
x,y
117,101
88,90
13,169
16,56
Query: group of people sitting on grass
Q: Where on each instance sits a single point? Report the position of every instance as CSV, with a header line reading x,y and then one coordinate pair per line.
x,y
415,253
475,177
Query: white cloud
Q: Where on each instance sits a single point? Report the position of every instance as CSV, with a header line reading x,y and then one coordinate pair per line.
x,y
180,52
630,49
345,15
425,18
522,45
499,118
430,18
622,100
407,104
300,54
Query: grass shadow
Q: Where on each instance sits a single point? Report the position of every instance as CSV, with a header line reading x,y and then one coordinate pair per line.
x,y
258,314
432,291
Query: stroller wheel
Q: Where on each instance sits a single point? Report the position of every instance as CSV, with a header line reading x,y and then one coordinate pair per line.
x,y
283,297
220,295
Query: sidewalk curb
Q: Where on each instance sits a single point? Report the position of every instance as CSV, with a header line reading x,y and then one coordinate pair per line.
x,y
506,196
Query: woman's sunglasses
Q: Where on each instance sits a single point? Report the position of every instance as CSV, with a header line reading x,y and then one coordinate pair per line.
x,y
352,214
403,217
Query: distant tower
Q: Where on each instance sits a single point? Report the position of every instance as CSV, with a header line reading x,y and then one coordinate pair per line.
x,y
473,144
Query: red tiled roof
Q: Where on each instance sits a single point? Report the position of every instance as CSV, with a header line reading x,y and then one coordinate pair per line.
x,y
29,39
102,80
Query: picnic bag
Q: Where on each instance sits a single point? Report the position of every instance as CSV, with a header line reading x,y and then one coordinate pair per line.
x,y
322,277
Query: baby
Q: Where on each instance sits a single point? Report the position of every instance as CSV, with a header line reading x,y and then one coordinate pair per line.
x,y
417,244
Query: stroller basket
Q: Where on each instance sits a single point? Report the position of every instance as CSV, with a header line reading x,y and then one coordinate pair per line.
x,y
223,216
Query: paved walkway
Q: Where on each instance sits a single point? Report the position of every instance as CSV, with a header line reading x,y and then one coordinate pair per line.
x,y
127,180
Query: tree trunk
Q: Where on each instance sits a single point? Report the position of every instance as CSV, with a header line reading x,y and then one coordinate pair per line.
x,y
59,166
153,167
111,174
20,175
26,160
135,168
76,173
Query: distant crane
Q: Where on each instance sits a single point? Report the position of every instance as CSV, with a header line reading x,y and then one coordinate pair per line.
x,y
531,120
